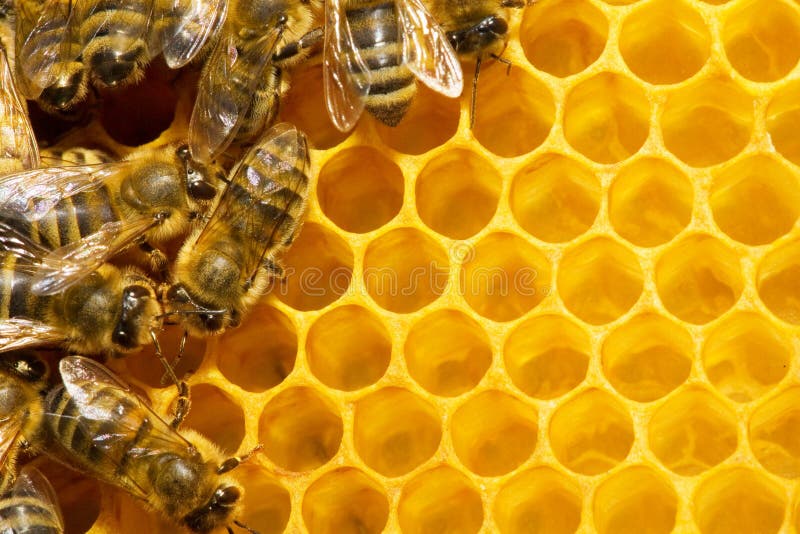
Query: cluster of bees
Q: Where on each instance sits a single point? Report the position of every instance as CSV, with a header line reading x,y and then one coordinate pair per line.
x,y
66,219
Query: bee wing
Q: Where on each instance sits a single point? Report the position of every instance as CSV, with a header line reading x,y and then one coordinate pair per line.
x,y
19,333
345,76
184,27
108,22
426,50
15,128
32,483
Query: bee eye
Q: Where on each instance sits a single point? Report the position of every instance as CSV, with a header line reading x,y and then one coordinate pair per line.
x,y
183,152
201,189
177,293
227,496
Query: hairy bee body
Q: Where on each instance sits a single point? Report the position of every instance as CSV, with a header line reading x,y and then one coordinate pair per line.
x,y
30,506
475,27
75,156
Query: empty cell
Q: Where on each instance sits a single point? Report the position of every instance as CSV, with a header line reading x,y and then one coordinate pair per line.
x,y
738,501
300,429
591,433
760,38
494,433
699,279
345,501
216,416
773,433
634,500
606,118
692,432
555,198
318,268
348,348
745,356
563,38
394,431
514,111
457,193
538,501
267,504
78,496
440,500
650,202
647,357
707,122
447,353
304,106
599,280
547,356
783,121
779,282
504,276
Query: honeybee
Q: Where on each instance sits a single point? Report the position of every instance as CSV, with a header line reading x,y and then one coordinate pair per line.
x,y
97,425
225,266
30,506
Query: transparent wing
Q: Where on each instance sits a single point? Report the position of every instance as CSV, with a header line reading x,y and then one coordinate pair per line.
x,y
426,50
345,76
32,484
28,254
119,25
20,333
184,26
10,428
17,140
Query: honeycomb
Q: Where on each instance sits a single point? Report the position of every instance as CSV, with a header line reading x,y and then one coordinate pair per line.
x,y
579,316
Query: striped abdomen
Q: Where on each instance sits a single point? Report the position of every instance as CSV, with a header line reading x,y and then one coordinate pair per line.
x,y
16,298
28,515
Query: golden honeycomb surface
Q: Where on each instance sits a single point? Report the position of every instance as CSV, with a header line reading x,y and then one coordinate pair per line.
x,y
579,316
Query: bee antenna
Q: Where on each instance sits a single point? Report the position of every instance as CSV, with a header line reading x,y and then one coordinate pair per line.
x,y
245,527
474,100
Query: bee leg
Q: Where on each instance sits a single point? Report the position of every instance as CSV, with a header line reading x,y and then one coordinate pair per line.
x,y
234,461
243,526
165,377
184,402
474,99
309,40
158,260
504,61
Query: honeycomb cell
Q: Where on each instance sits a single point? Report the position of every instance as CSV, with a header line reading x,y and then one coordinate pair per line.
x,y
539,501
745,356
783,121
267,504
606,117
591,433
261,353
300,429
345,501
447,353
760,38
457,193
547,356
707,122
304,106
348,348
739,501
216,416
599,280
664,42
504,277
555,198
634,500
650,202
359,189
318,268
773,434
78,495
405,270
778,286
647,357
692,432
440,500
395,431
563,38
493,433
514,111
699,279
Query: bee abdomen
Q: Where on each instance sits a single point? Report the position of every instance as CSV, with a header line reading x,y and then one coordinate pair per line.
x,y
16,298
26,514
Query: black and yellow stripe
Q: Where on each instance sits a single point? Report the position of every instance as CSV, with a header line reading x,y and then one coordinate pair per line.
x,y
29,515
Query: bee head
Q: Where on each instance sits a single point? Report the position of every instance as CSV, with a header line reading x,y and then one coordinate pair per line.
x,y
489,32
138,312
223,504
200,179
196,318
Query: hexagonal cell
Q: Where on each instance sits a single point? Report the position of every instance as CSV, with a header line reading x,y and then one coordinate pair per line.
x,y
145,366
783,121
555,198
348,348
591,433
599,280
777,282
699,279
318,268
773,433
739,501
503,277
493,433
745,356
707,122
405,270
457,193
300,429
692,432
78,495
563,38
650,202
636,499
447,353
547,356
647,357
538,501
394,431
345,501
664,42
760,38
606,118
216,416
514,111
267,504
359,189
440,500
260,354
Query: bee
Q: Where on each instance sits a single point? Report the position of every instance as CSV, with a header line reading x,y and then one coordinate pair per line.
x,y
97,425
373,53
30,506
